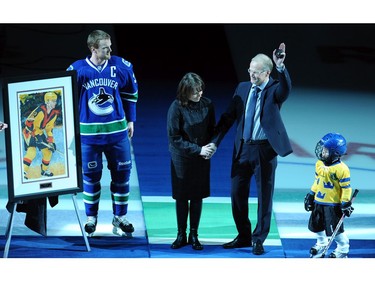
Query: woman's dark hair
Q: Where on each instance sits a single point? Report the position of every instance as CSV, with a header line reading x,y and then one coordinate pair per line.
x,y
189,84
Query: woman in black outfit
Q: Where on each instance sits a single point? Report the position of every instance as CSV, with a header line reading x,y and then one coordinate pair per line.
x,y
190,126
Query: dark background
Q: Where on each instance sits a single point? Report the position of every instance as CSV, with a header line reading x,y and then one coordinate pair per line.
x,y
318,55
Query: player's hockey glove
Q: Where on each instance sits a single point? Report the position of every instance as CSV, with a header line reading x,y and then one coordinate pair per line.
x,y
346,208
309,202
52,146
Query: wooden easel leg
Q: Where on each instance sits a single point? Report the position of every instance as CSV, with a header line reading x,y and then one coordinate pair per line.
x,y
8,233
80,223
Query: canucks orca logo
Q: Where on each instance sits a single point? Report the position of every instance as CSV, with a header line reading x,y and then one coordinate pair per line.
x,y
101,104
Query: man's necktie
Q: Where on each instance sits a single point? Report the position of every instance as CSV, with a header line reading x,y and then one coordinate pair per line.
x,y
249,114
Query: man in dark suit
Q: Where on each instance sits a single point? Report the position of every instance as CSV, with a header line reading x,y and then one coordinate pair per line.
x,y
260,137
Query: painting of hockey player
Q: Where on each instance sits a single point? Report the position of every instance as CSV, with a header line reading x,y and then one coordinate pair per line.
x,y
42,132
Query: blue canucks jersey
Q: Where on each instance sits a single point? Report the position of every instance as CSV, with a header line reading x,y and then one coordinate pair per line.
x,y
108,97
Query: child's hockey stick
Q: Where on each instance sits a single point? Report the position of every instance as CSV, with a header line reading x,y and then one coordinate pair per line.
x,y
337,227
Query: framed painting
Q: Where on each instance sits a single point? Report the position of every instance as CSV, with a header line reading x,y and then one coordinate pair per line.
x,y
43,150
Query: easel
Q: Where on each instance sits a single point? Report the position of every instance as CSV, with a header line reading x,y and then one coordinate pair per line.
x,y
8,233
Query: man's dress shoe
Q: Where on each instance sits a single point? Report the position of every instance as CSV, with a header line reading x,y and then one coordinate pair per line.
x,y
258,248
237,243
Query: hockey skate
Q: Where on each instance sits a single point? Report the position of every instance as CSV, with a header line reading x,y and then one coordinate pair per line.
x,y
317,251
121,226
337,254
90,225
46,173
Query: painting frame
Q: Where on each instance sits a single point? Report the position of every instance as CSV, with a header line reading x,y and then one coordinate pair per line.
x,y
43,149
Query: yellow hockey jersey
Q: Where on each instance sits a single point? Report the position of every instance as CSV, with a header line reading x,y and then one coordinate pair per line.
x,y
332,183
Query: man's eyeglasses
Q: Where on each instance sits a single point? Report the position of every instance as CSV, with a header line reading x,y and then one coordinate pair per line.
x,y
250,71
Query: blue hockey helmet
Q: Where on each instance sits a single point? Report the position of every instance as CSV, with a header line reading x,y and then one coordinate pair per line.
x,y
330,147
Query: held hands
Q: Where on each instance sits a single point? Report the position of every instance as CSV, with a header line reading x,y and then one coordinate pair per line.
x,y
208,150
309,202
279,57
346,208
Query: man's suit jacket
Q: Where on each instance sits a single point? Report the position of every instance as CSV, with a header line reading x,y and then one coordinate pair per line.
x,y
273,96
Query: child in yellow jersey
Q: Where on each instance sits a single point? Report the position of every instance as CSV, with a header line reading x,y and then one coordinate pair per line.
x,y
329,197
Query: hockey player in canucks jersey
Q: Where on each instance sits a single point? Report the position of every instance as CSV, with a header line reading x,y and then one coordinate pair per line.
x,y
107,107
330,196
